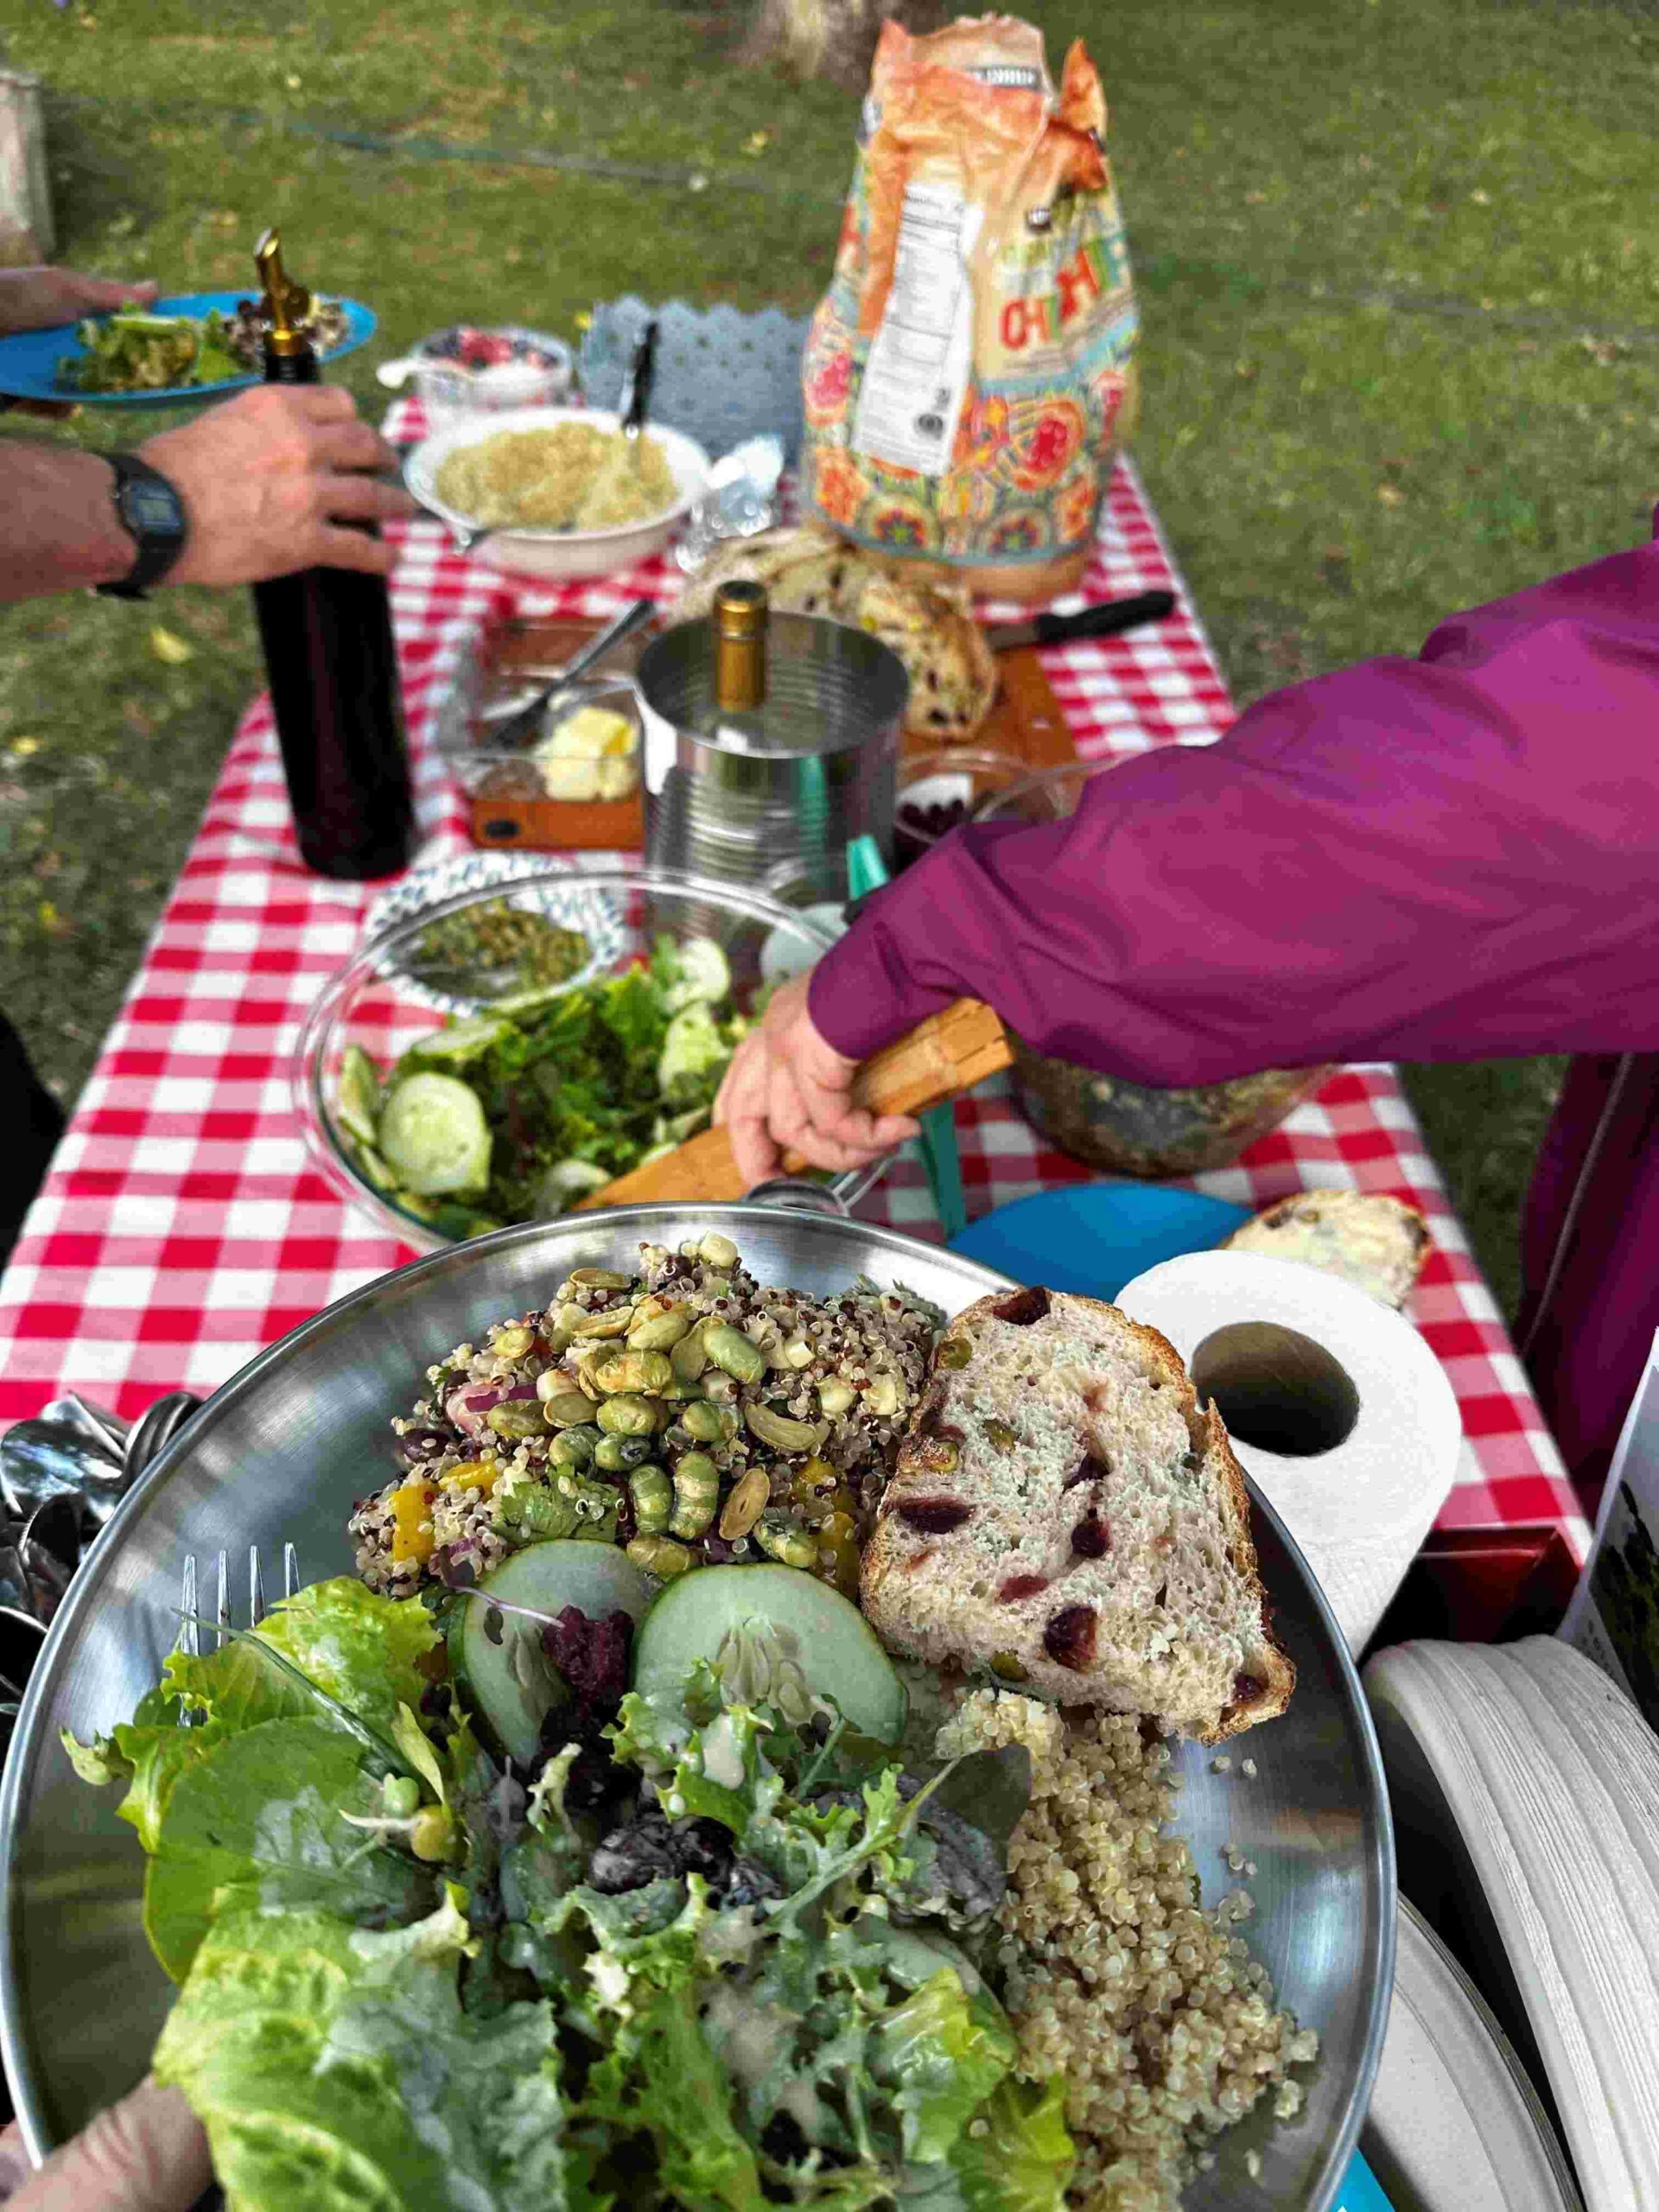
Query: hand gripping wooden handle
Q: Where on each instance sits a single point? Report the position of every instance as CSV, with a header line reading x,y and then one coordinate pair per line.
x,y
948,1052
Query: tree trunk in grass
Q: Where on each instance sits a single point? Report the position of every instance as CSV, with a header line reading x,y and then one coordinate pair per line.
x,y
832,39
25,194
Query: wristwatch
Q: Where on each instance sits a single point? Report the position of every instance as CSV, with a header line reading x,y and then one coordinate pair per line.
x,y
152,514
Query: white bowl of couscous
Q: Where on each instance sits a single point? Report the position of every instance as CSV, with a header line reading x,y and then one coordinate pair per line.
x,y
563,460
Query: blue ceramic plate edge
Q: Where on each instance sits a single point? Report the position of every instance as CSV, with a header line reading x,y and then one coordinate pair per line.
x,y
361,325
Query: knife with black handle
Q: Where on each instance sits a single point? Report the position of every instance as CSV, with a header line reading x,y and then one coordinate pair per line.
x,y
1108,619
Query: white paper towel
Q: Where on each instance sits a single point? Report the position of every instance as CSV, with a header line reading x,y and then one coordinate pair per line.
x,y
1360,1507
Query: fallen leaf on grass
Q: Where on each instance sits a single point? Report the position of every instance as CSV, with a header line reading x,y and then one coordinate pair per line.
x,y
22,747
756,142
1390,494
173,651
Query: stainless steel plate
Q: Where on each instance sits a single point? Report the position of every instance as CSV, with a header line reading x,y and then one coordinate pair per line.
x,y
282,1451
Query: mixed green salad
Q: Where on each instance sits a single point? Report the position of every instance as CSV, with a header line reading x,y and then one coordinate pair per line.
x,y
134,350
719,1941
512,1114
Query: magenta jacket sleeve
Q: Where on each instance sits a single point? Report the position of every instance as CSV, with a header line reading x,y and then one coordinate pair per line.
x,y
1444,858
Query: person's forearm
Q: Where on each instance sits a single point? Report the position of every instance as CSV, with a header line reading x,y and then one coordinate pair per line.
x,y
61,527
1447,858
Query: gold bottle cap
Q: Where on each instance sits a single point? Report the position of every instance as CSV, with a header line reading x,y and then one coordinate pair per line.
x,y
740,622
286,304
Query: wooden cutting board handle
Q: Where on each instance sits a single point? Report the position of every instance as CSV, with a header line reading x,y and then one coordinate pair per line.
x,y
948,1052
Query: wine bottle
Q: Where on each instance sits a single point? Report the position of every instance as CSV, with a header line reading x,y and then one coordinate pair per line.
x,y
332,663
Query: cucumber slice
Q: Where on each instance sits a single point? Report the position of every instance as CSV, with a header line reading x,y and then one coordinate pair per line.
x,y
435,1137
831,1640
359,1100
567,1179
704,974
374,1170
457,1042
512,1684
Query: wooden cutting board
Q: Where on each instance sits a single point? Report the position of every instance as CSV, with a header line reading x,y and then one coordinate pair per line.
x,y
1026,722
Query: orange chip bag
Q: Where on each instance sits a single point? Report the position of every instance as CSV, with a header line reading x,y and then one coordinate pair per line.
x,y
970,370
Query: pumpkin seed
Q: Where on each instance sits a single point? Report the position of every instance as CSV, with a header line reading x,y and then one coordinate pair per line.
x,y
1000,1434
746,1504
956,1353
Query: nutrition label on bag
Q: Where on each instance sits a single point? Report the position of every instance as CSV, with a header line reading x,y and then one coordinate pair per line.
x,y
917,369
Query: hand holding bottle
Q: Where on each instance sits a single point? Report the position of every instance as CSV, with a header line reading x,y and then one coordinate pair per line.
x,y
271,481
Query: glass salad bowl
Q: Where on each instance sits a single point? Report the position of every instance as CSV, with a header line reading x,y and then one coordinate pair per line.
x,y
494,1055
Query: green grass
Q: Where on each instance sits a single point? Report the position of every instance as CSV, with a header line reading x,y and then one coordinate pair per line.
x,y
1399,284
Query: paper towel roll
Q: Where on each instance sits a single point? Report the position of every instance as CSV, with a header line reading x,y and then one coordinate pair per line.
x,y
1336,1407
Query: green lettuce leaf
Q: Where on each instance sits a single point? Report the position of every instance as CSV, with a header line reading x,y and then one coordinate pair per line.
x,y
940,2053
363,1650
337,2070
268,1809
1024,2158
661,2080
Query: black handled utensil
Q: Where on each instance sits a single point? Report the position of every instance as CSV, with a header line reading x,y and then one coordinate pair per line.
x,y
641,374
1109,618
520,728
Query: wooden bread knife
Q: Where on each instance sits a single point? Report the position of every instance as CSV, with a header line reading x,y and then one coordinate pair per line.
x,y
949,1052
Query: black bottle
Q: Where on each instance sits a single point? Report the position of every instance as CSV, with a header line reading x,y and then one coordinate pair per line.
x,y
332,663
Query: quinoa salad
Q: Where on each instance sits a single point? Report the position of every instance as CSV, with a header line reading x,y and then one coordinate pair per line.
x,y
685,1413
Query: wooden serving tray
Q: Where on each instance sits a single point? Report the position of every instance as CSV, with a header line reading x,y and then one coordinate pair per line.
x,y
505,821
1026,722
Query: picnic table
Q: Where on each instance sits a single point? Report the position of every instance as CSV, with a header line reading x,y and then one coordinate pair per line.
x,y
180,1228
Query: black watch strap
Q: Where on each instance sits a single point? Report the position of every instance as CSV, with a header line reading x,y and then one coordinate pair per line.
x,y
152,514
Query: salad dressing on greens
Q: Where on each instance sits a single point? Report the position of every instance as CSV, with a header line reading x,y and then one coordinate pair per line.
x,y
696,1953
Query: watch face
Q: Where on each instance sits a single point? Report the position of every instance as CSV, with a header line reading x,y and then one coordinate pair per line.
x,y
152,508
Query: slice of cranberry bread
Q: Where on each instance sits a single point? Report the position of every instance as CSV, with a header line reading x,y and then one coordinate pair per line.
x,y
1063,1512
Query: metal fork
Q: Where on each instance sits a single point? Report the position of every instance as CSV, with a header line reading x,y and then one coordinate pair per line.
x,y
189,1637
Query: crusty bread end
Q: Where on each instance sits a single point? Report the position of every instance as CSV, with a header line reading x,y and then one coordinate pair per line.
x,y
1064,1513
1375,1242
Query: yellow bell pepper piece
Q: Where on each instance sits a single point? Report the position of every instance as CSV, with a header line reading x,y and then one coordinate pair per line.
x,y
472,1474
412,1524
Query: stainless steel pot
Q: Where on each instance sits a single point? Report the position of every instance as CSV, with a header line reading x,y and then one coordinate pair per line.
x,y
734,796
283,1449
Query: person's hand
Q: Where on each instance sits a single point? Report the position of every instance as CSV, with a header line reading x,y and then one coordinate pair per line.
x,y
38,299
788,1089
146,2154
269,481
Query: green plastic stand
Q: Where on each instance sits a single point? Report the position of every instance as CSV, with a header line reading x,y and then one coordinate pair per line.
x,y
866,871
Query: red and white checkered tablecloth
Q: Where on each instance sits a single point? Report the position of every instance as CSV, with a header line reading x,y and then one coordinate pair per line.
x,y
181,1229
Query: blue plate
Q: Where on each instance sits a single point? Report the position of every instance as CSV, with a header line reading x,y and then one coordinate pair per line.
x,y
1097,1237
29,360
